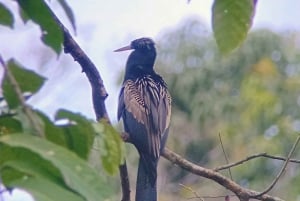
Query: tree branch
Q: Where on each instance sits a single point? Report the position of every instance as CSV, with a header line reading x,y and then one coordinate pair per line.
x,y
223,167
282,169
99,93
242,193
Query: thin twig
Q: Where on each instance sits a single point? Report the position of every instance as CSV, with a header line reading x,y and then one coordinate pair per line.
x,y
258,155
212,197
197,196
280,158
225,155
192,191
281,171
26,109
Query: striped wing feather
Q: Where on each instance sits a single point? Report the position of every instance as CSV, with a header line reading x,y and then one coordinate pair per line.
x,y
149,103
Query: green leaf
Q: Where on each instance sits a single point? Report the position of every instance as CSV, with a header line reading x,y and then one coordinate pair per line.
x,y
33,124
25,163
68,12
79,132
8,125
77,174
110,145
28,81
19,165
6,17
53,133
44,190
24,16
39,12
231,20
9,174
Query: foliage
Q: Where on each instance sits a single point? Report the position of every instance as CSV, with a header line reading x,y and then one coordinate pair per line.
x,y
37,11
6,18
55,166
76,174
110,144
29,82
231,22
250,97
60,160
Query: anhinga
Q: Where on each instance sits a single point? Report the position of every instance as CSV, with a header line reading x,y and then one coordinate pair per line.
x,y
145,107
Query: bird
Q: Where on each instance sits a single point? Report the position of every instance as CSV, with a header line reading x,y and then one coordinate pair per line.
x,y
145,108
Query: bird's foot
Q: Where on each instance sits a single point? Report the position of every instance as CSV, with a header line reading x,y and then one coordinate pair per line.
x,y
125,137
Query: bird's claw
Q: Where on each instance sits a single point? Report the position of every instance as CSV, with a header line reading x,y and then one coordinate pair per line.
x,y
125,137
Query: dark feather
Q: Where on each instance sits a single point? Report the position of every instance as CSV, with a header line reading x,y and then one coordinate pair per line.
x,y
149,103
145,107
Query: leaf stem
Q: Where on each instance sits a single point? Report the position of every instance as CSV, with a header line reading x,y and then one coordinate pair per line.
x,y
26,109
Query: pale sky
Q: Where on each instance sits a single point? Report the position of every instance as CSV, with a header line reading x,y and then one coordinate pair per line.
x,y
104,26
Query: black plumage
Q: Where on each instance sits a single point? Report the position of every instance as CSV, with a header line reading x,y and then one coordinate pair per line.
x,y
145,107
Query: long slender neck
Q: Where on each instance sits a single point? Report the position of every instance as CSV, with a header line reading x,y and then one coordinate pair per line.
x,y
138,72
140,63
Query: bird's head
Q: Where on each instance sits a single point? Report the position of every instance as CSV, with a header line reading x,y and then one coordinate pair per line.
x,y
141,44
141,60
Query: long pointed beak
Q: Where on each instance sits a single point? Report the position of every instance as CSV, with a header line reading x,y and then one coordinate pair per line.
x,y
123,49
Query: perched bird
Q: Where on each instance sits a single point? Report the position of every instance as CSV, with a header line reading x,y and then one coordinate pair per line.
x,y
145,107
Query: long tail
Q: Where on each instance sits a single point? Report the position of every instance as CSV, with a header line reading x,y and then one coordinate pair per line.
x,y
146,179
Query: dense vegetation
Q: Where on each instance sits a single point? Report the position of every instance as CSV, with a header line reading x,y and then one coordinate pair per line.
x,y
250,98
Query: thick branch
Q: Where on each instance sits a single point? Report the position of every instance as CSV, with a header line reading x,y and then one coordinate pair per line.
x,y
243,194
99,93
98,89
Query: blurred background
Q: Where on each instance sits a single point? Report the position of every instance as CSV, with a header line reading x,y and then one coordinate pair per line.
x,y
250,98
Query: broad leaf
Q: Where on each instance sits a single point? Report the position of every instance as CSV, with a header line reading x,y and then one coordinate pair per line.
x,y
77,174
231,20
44,190
110,145
25,163
52,132
21,168
8,124
28,81
6,17
39,12
9,174
79,132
